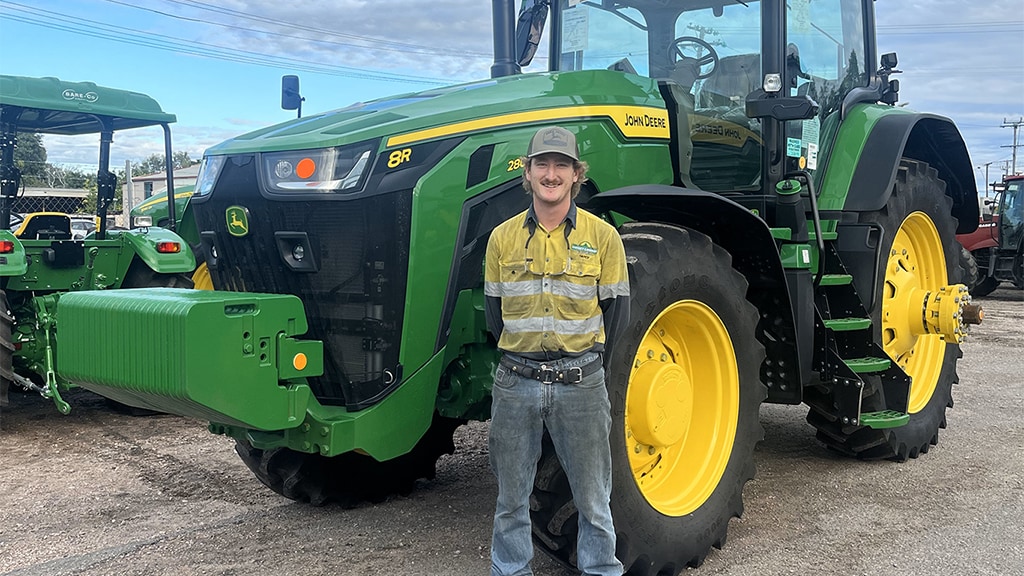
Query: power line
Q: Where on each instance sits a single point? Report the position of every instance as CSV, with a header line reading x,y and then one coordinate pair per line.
x,y
110,32
986,25
373,43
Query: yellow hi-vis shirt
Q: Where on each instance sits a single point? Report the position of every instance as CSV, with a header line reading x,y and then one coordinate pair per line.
x,y
555,293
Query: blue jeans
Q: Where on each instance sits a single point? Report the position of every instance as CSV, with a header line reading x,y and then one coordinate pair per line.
x,y
578,418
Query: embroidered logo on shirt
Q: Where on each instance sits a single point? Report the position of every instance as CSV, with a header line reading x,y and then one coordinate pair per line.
x,y
584,247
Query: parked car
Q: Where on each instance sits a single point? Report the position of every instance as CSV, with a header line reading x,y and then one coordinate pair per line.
x,y
82,227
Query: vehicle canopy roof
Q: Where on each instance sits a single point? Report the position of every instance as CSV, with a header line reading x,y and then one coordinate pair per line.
x,y
53,106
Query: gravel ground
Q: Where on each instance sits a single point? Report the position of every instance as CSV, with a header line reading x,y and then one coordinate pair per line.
x,y
102,493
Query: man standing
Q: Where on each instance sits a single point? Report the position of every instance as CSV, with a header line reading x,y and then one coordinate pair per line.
x,y
557,295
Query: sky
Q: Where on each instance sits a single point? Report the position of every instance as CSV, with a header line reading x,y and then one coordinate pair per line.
x,y
217,64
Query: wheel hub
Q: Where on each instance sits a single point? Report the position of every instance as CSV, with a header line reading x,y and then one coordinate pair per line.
x,y
660,411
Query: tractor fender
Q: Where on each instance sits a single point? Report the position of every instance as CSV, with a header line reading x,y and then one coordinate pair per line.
x,y
986,236
145,242
744,235
924,137
13,262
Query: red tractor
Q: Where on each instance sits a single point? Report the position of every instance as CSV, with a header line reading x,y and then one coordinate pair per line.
x,y
995,251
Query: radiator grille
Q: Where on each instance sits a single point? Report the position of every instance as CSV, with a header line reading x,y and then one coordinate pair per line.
x,y
354,299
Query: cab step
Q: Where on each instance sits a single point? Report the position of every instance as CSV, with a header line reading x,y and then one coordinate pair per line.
x,y
868,365
884,419
836,279
848,324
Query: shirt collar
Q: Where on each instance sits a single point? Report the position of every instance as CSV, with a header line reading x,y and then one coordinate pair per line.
x,y
531,217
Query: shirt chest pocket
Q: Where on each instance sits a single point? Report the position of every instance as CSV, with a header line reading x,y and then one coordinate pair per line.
x,y
519,288
577,290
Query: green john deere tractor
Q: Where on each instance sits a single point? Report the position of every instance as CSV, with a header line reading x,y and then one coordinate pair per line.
x,y
790,236
41,259
154,211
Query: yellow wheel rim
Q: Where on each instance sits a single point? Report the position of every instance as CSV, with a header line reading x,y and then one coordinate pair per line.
x,y
682,408
201,279
916,267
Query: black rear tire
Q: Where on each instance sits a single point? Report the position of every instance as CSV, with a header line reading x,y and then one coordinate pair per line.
x,y
140,275
986,286
6,353
971,275
918,190
350,478
670,269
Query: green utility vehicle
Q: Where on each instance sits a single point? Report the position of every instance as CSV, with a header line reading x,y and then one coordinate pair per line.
x,y
790,236
42,259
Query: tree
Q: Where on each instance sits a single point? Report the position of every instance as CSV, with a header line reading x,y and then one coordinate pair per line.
x,y
30,157
61,177
155,163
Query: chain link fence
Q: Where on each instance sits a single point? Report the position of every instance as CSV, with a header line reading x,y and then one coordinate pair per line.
x,y
71,202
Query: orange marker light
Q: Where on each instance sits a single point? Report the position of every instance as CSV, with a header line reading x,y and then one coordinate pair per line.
x,y
6,246
168,247
305,168
299,361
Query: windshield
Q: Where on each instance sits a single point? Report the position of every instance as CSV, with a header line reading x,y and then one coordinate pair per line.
x,y
652,38
1013,200
708,55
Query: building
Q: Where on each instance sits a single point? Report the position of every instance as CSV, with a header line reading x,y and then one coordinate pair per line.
x,y
145,186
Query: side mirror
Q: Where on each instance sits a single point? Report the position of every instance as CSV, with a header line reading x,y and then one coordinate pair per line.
x,y
530,28
290,97
761,104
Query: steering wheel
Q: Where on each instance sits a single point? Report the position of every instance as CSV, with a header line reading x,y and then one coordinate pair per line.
x,y
706,55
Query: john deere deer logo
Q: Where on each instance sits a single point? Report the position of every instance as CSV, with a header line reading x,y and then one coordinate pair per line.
x,y
238,220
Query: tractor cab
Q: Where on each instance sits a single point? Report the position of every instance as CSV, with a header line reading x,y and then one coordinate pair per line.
x,y
750,92
1011,211
996,248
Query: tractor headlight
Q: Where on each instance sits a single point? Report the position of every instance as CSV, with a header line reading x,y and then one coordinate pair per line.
x,y
335,169
142,221
208,172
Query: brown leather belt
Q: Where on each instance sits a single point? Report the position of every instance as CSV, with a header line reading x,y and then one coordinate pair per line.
x,y
549,375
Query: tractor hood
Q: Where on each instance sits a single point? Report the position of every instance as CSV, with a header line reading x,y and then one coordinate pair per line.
x,y
460,109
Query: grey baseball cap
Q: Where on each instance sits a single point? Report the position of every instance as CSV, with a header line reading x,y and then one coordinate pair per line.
x,y
553,139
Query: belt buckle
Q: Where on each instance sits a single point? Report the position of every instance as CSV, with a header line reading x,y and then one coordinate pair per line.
x,y
574,375
547,374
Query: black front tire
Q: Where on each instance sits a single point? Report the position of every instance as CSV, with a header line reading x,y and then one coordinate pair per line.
x,y
671,269
350,478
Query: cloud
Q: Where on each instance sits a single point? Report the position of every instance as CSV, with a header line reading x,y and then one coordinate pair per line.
x,y
962,62
440,40
959,61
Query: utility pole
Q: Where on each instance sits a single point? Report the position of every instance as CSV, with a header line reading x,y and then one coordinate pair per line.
x,y
128,197
1006,167
987,183
1015,125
